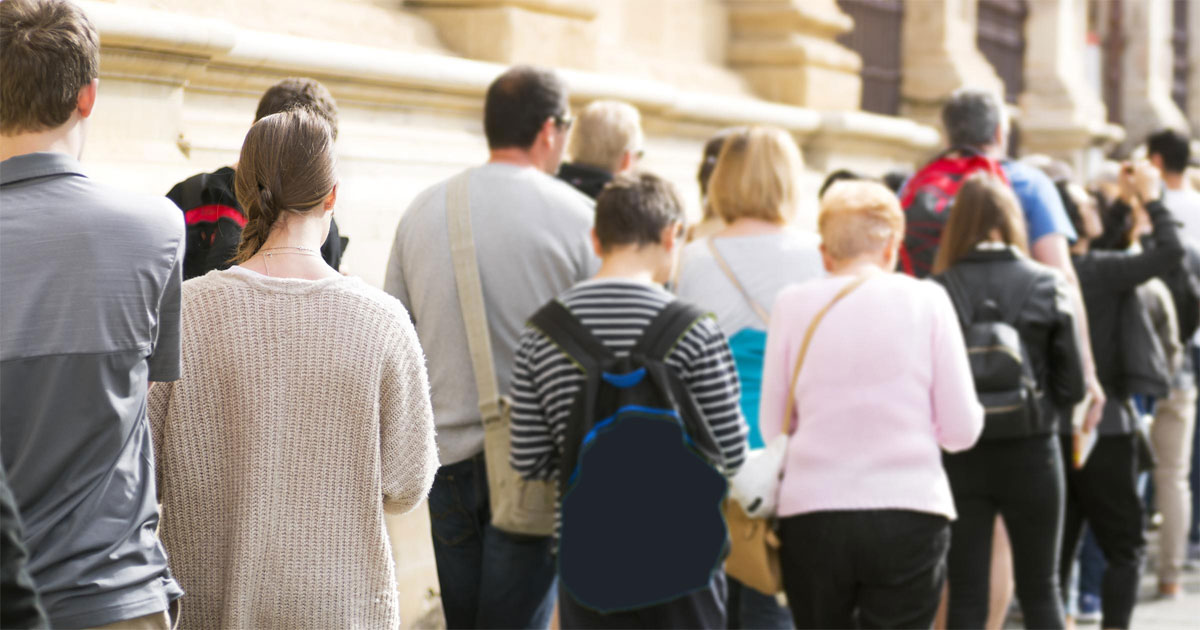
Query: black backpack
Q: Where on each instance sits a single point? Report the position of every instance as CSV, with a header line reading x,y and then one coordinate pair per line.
x,y
1000,365
640,492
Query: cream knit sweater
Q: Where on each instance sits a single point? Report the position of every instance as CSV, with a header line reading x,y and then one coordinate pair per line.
x,y
302,415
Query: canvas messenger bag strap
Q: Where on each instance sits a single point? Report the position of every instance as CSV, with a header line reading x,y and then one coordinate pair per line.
x,y
470,294
789,423
728,271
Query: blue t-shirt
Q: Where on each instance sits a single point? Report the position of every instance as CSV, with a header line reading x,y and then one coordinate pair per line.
x,y
1043,208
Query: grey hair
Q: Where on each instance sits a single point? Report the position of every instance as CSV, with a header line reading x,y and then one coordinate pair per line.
x,y
971,117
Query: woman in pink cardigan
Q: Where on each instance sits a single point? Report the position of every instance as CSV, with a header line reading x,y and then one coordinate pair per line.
x,y
864,505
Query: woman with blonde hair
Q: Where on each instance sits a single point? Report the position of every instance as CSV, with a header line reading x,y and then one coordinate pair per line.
x,y
1020,330
737,272
867,371
302,416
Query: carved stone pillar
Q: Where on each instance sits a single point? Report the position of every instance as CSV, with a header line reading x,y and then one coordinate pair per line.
x,y
786,51
940,56
545,32
1193,103
1146,102
1061,114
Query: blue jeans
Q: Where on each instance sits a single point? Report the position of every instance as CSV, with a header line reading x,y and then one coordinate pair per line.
x,y
488,578
1091,565
749,609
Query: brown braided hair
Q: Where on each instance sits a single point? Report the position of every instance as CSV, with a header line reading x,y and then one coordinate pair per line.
x,y
286,165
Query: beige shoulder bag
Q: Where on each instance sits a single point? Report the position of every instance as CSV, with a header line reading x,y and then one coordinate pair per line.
x,y
518,506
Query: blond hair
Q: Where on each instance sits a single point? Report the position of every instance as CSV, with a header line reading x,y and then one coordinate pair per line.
x,y
859,217
756,176
603,132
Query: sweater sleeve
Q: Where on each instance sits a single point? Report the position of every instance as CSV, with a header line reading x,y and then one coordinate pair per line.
x,y
394,282
408,451
708,370
158,401
1120,272
776,376
957,414
1064,378
532,453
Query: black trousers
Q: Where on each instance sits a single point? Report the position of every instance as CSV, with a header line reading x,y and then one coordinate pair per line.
x,y
1104,495
1022,481
864,568
701,609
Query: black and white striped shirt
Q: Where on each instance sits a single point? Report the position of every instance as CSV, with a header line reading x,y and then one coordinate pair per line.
x,y
545,380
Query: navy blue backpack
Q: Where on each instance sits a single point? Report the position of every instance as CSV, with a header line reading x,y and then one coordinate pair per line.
x,y
639,486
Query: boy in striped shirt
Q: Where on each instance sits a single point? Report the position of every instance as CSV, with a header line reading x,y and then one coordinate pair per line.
x,y
638,235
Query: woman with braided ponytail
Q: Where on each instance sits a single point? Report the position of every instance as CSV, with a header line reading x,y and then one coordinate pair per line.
x,y
302,416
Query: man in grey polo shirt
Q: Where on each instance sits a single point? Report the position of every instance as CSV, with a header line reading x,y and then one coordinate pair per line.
x,y
89,314
532,243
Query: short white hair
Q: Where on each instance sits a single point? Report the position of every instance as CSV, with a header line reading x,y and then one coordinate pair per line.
x,y
603,132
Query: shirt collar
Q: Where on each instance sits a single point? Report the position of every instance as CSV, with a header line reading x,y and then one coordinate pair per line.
x,y
32,165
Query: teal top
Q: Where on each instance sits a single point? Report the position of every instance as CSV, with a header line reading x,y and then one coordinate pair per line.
x,y
749,346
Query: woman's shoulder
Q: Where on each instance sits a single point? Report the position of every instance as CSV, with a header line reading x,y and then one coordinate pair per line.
x,y
371,301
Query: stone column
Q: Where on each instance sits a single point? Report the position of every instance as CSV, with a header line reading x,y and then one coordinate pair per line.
x,y
1193,112
1061,114
786,51
544,32
940,56
1146,74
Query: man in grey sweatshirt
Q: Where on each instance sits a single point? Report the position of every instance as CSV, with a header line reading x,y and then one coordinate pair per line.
x,y
532,242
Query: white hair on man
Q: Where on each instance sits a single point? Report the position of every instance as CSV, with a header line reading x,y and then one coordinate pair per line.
x,y
607,135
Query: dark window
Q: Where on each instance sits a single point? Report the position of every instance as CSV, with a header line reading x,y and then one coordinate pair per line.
x,y
1179,42
876,38
1001,38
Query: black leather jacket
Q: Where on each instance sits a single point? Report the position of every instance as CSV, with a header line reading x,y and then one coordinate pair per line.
x,y
1045,321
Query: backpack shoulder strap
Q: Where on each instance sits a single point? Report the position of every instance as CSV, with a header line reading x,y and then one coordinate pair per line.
x,y
728,271
666,329
570,335
959,296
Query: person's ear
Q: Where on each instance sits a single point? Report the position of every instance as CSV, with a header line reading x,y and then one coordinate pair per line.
x,y
86,100
599,251
331,199
627,161
670,235
826,259
1156,160
548,133
891,253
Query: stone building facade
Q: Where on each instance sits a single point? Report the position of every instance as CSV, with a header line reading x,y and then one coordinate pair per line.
x,y
857,82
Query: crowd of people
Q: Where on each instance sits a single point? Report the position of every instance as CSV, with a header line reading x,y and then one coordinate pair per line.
x,y
971,379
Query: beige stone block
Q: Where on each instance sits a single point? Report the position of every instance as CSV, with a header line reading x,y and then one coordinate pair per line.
x,y
940,56
813,86
787,52
515,34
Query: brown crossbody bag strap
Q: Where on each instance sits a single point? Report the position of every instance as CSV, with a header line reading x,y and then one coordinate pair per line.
x,y
788,421
728,271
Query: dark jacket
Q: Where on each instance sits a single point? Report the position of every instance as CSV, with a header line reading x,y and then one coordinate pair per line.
x,y
1121,332
1044,318
588,180
214,222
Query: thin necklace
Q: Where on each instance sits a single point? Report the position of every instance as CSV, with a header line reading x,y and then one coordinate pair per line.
x,y
283,247
272,251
